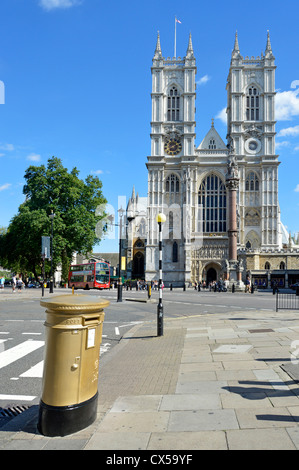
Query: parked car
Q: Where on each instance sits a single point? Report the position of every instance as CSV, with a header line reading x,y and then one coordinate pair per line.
x,y
33,284
294,286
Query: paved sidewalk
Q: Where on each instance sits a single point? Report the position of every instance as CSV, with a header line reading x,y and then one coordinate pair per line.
x,y
211,382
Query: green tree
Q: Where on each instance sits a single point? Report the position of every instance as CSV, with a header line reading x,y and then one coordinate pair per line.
x,y
20,247
75,204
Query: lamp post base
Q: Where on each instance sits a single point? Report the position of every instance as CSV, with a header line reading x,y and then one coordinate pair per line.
x,y
160,319
119,293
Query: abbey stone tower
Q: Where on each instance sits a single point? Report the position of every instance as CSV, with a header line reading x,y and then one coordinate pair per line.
x,y
220,198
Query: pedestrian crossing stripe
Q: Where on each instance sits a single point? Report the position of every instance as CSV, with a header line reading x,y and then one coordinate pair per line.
x,y
17,397
34,371
17,352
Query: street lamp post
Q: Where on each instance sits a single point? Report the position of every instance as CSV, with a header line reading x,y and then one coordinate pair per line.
x,y
110,219
119,287
52,215
160,219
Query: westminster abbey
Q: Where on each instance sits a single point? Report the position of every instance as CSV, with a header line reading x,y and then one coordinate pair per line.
x,y
188,182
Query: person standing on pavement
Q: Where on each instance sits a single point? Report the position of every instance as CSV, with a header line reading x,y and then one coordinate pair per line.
x,y
2,282
19,284
14,282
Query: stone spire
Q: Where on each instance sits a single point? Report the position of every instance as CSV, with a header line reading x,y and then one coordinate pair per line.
x,y
236,50
131,207
158,51
268,52
236,46
190,52
268,46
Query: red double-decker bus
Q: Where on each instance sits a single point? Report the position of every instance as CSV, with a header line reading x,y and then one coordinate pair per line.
x,y
95,275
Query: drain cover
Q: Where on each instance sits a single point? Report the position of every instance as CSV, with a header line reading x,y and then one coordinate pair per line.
x,y
11,412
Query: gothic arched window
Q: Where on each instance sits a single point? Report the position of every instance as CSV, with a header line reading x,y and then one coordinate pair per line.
x,y
252,182
212,199
267,265
252,104
173,105
212,144
172,184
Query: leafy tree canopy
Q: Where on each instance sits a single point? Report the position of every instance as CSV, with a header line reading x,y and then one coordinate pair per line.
x,y
75,204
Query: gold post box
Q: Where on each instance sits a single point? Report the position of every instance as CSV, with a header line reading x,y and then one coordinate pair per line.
x,y
74,325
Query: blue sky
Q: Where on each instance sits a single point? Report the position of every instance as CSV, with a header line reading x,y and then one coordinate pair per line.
x,y
76,84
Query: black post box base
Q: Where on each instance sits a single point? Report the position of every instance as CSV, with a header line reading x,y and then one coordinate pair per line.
x,y
57,421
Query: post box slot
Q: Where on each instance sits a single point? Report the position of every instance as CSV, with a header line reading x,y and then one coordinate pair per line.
x,y
87,321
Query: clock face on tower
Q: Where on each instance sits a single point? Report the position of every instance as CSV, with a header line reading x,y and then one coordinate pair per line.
x,y
173,146
253,146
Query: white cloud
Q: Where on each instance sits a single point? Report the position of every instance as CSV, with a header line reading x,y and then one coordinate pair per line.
x,y
289,131
53,4
222,116
287,103
5,186
97,172
297,188
7,147
284,143
34,157
203,80
286,107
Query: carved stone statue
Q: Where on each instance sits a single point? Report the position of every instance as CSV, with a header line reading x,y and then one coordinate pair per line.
x,y
232,166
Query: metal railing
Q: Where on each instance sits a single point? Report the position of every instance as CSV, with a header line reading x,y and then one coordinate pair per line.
x,y
287,301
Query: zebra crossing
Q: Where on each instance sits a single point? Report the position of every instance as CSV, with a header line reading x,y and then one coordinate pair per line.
x,y
22,346
16,355
11,356
17,352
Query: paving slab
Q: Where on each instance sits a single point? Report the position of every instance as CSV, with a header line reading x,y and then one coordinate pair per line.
x,y
293,432
235,375
245,400
232,349
135,422
259,417
108,440
143,403
190,402
200,367
245,365
202,440
202,387
259,439
202,420
197,376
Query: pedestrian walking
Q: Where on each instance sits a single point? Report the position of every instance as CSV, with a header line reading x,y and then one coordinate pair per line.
x,y
2,282
19,284
14,282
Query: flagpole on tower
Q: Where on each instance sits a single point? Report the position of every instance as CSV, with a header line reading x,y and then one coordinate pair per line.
x,y
175,22
175,37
